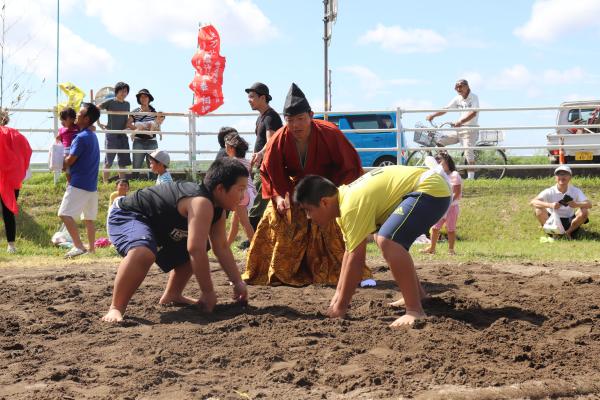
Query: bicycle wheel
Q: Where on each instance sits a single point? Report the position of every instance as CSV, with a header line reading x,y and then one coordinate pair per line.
x,y
489,157
417,158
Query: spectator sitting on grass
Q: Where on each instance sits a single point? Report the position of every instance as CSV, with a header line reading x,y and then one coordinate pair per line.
x,y
159,162
563,198
122,186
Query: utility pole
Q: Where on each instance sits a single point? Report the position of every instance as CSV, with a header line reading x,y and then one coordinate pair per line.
x,y
330,15
57,44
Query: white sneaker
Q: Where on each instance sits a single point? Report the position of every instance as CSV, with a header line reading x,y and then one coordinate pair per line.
x,y
75,252
11,249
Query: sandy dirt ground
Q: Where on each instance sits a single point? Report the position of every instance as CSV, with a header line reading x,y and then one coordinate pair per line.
x,y
493,332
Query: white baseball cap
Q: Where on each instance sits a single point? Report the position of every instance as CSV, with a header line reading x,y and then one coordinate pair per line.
x,y
564,168
161,156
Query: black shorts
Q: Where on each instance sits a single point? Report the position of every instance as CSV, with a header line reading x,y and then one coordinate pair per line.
x,y
416,213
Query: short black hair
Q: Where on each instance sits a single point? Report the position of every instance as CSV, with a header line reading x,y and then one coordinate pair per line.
x,y
443,155
120,86
225,171
122,180
312,188
92,112
238,143
67,112
224,131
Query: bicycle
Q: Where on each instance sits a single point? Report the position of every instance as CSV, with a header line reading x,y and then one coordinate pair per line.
x,y
433,138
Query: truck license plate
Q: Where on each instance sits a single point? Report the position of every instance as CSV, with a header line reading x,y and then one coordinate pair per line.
x,y
584,156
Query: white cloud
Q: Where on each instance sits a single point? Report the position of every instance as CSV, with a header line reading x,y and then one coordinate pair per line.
x,y
31,43
551,19
143,21
372,84
399,40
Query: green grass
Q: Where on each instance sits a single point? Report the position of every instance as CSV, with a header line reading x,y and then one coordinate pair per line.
x,y
496,224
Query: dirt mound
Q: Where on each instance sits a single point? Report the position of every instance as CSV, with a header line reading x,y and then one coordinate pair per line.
x,y
505,331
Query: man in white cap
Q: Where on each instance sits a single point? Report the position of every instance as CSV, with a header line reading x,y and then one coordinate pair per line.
x,y
568,201
468,119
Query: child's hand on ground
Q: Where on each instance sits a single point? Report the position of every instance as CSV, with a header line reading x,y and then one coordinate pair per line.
x,y
240,292
207,301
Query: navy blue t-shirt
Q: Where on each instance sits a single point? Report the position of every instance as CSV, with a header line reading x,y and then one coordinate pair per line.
x,y
84,172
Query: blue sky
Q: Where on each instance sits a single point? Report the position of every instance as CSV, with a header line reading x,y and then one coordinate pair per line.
x,y
383,54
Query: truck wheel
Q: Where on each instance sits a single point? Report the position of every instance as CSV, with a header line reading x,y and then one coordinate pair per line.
x,y
384,161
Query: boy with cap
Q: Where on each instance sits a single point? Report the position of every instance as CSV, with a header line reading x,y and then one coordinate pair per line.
x,y
159,162
564,199
286,247
171,224
398,204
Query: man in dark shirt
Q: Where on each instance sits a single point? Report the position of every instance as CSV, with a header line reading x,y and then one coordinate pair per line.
x,y
170,224
267,123
116,141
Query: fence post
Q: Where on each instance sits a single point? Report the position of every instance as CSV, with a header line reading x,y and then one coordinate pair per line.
x,y
192,145
55,127
400,140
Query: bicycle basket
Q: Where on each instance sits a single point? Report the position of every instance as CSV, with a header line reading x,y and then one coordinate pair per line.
x,y
491,136
425,138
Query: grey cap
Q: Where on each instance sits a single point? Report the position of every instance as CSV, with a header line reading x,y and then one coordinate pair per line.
x,y
161,156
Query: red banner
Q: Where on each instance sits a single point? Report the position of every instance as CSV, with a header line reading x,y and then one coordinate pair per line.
x,y
209,65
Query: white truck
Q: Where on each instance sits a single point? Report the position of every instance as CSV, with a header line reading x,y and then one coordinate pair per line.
x,y
576,112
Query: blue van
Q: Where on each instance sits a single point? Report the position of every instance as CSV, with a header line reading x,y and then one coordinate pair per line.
x,y
369,140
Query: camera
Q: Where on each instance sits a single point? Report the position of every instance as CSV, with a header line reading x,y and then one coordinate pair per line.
x,y
565,200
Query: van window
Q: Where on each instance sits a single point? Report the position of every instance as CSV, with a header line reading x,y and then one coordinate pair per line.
x,y
386,122
583,114
363,122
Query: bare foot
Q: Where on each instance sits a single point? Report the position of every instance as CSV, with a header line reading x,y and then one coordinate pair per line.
x,y
175,301
451,252
398,303
407,319
427,250
113,315
336,312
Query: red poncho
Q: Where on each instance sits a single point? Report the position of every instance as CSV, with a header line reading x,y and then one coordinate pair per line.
x,y
15,154
330,154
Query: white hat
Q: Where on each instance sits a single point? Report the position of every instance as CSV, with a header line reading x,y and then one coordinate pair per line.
x,y
161,156
564,168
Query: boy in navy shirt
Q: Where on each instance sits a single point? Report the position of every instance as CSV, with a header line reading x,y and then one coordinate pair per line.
x,y
81,196
170,225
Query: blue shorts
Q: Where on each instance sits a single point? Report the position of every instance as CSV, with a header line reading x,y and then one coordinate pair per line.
x,y
128,229
416,213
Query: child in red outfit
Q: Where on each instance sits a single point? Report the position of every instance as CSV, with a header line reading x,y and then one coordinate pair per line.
x,y
67,133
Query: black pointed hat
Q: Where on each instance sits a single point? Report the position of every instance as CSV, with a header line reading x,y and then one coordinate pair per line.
x,y
295,102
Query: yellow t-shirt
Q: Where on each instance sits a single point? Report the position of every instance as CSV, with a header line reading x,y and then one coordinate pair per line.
x,y
112,198
366,203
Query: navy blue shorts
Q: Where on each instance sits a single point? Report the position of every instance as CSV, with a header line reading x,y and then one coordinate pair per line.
x,y
128,229
416,213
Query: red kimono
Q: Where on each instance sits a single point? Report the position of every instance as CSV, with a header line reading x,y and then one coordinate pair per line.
x,y
15,154
329,154
300,253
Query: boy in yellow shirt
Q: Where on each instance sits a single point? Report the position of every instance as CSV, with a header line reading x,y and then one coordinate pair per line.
x,y
122,186
398,204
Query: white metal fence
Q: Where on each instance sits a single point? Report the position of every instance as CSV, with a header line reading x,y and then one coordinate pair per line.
x,y
191,163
